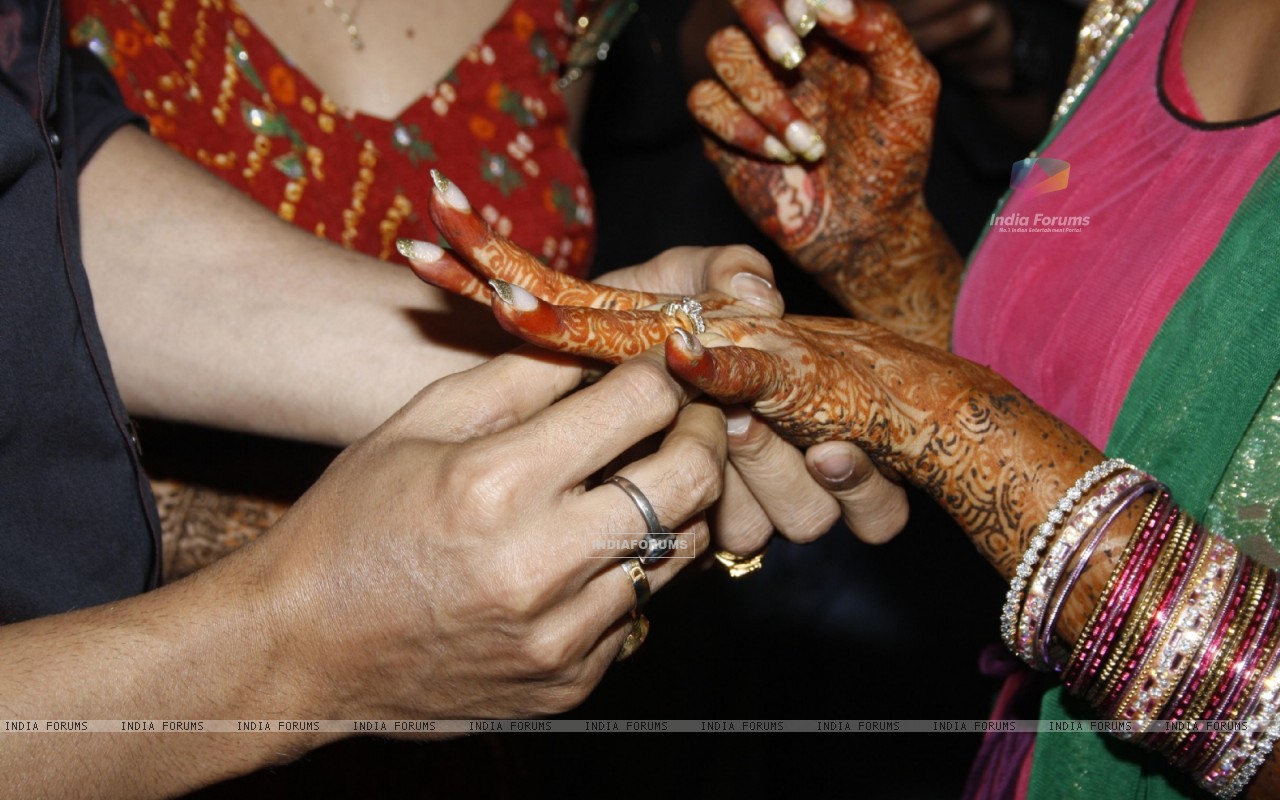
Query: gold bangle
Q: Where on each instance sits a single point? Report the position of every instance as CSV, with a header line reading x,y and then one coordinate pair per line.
x,y
1077,650
1141,616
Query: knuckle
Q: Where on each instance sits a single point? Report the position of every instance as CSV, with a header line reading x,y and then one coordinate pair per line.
x,y
548,655
812,526
652,387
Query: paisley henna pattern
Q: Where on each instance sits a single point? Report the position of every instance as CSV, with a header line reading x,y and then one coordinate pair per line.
x,y
990,456
857,219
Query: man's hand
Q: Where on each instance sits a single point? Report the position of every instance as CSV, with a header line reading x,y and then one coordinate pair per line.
x,y
444,567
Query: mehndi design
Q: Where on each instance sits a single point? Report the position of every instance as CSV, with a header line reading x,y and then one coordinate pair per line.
x,y
984,451
856,219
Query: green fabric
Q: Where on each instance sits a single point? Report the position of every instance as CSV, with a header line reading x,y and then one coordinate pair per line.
x,y
1247,503
1201,386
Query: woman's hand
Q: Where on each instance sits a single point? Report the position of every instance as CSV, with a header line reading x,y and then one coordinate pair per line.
x,y
770,484
990,456
859,114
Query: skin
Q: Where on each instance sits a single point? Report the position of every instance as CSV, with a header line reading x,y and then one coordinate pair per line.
x,y
374,599
856,219
981,449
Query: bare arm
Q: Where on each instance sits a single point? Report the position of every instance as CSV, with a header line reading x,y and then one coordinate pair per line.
x,y
215,311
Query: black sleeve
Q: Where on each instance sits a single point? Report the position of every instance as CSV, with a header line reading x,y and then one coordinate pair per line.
x,y
99,109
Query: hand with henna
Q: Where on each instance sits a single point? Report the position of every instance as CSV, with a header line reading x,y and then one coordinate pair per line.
x,y
830,161
963,434
769,485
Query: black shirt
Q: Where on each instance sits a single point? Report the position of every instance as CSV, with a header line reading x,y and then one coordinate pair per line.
x,y
77,522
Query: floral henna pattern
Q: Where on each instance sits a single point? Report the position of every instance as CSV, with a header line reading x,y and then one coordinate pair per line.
x,y
856,220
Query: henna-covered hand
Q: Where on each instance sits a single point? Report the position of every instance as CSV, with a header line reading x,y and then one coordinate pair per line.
x,y
859,112
991,457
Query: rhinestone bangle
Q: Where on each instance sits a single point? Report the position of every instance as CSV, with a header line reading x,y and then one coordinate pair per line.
x,y
1025,569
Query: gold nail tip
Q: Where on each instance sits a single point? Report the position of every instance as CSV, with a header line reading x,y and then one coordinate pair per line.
x,y
792,58
503,290
417,250
778,151
441,182
806,24
816,150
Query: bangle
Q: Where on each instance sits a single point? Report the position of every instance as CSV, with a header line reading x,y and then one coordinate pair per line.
x,y
1247,749
1098,632
1031,557
1201,745
1179,749
1268,649
1163,591
1140,626
1035,631
1181,634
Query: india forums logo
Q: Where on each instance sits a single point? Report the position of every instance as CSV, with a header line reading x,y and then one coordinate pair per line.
x,y
1037,176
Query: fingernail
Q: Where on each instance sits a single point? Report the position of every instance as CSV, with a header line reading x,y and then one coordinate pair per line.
x,y
783,46
835,10
514,296
755,290
736,420
777,150
800,16
449,193
418,250
834,463
689,341
803,139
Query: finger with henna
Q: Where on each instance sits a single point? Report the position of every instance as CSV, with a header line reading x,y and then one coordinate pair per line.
x,y
720,112
739,66
494,256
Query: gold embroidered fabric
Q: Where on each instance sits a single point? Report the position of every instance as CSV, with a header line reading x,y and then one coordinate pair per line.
x,y
1105,23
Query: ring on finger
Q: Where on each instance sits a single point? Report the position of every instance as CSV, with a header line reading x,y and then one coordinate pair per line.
x,y
635,637
740,566
639,583
659,540
691,309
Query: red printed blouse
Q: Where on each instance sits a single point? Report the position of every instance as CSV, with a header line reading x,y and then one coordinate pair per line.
x,y
217,90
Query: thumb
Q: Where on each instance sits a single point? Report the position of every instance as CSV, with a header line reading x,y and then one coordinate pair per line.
x,y
874,507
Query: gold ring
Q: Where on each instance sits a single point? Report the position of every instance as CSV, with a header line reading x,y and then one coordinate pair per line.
x,y
740,566
635,637
639,582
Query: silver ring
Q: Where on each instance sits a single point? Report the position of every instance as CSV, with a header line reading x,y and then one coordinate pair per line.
x,y
659,540
639,583
690,308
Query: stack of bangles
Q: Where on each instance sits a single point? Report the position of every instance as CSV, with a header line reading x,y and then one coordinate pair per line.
x,y
1182,647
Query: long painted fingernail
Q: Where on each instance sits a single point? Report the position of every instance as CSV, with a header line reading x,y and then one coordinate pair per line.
x,y
777,150
757,291
418,250
514,296
801,16
449,193
834,463
736,420
841,11
802,138
784,46
689,341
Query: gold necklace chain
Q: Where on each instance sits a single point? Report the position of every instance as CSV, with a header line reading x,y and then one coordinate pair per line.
x,y
349,20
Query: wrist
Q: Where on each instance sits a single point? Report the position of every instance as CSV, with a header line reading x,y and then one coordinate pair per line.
x,y
905,278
